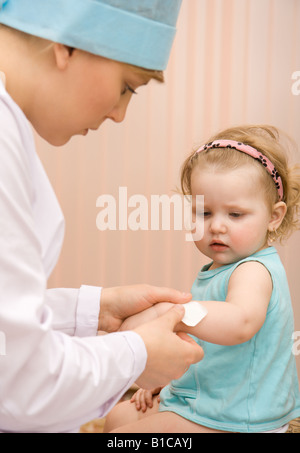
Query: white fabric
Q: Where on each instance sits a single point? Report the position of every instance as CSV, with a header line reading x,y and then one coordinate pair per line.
x,y
281,430
56,374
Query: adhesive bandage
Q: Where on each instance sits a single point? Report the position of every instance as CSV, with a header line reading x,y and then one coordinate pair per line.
x,y
194,313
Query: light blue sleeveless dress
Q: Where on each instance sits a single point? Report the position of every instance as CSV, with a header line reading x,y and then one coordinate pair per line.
x,y
250,387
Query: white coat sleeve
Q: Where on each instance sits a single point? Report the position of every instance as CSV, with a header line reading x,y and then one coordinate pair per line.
x,y
50,381
75,311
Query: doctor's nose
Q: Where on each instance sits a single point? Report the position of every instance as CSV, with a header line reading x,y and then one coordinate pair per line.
x,y
118,113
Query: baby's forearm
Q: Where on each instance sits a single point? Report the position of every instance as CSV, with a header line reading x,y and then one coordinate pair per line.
x,y
224,324
146,316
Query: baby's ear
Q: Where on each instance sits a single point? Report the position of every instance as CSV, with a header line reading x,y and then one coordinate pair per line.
x,y
277,216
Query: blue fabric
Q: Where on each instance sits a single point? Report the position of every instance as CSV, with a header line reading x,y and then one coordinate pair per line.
x,y
250,387
139,32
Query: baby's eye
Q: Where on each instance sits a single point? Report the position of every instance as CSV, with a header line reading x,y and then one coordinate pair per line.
x,y
235,214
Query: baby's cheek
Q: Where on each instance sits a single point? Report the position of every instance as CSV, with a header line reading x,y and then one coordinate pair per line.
x,y
245,238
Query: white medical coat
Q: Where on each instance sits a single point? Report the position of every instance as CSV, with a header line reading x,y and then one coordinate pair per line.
x,y
55,372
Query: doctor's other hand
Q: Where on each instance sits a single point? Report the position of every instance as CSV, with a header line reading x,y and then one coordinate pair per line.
x,y
120,302
169,354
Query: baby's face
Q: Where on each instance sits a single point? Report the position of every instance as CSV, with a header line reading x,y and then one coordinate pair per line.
x,y
235,214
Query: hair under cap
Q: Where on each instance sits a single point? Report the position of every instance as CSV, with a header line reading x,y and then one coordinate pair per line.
x,y
138,32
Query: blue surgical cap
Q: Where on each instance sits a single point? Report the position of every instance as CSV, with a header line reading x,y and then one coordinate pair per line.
x,y
138,32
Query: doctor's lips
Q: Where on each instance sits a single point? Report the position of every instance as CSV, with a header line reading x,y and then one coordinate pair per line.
x,y
86,131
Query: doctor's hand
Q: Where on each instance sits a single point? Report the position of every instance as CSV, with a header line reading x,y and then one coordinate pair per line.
x,y
169,354
120,302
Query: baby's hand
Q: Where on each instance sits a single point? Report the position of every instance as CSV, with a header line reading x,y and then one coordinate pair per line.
x,y
148,315
144,398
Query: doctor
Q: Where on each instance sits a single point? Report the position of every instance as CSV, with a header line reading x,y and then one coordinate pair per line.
x,y
67,66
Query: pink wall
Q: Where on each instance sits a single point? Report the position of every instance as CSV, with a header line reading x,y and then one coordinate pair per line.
x,y
232,63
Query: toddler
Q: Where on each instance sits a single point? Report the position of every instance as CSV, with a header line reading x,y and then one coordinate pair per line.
x,y
247,381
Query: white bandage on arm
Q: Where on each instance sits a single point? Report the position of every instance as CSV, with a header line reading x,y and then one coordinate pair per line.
x,y
194,313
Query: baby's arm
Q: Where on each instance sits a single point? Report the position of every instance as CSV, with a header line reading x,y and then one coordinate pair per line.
x,y
226,323
243,314
145,316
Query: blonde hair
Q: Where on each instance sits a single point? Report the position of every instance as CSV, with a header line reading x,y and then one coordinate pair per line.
x,y
147,73
274,145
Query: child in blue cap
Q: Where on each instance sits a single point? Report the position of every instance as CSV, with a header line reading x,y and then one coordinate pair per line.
x,y
66,66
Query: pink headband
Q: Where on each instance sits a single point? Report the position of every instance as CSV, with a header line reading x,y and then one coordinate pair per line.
x,y
247,149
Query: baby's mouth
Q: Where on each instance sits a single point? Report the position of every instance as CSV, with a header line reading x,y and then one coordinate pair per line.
x,y
218,246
